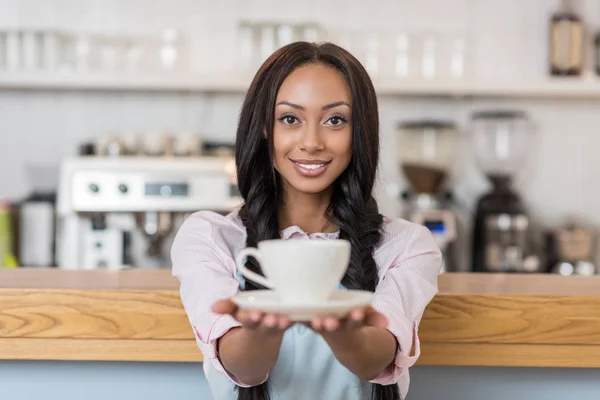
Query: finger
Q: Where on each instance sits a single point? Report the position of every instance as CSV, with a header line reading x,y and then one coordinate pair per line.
x,y
356,318
283,322
376,319
270,321
317,324
248,318
331,324
255,316
225,306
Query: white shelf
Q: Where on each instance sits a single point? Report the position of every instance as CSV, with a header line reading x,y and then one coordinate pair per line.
x,y
124,82
567,87
563,87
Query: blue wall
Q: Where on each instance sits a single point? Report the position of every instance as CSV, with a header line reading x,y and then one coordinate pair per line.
x,y
50,380
29,380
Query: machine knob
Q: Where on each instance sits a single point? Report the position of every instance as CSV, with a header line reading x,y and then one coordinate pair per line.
x,y
94,188
123,188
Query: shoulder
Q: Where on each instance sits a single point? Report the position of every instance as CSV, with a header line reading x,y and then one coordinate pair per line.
x,y
212,229
212,223
397,231
402,239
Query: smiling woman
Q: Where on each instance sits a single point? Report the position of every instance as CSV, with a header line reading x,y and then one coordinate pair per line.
x,y
307,150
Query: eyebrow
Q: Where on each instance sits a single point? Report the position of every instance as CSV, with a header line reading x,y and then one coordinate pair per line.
x,y
326,107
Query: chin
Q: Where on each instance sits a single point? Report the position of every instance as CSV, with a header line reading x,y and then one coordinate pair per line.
x,y
310,187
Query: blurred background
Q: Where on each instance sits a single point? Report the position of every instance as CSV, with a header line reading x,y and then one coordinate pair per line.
x,y
118,120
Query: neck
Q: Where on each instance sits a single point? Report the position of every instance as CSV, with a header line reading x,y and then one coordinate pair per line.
x,y
307,211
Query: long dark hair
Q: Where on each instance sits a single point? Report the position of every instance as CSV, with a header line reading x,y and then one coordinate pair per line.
x,y
352,206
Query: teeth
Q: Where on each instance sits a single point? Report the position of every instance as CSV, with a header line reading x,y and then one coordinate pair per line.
x,y
311,166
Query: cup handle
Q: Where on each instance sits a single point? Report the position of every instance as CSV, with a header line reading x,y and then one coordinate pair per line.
x,y
253,276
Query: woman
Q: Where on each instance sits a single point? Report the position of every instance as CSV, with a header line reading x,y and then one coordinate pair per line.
x,y
307,150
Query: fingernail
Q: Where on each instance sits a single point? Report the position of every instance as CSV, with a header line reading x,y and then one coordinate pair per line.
x,y
255,316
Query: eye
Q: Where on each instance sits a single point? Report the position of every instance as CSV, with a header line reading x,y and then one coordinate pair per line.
x,y
289,119
336,120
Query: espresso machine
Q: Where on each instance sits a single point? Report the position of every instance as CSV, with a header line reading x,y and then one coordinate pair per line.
x,y
502,231
426,150
123,212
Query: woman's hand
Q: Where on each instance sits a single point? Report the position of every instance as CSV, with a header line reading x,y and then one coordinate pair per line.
x,y
252,319
356,318
360,341
249,352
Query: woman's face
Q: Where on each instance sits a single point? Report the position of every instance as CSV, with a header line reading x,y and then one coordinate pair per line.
x,y
313,128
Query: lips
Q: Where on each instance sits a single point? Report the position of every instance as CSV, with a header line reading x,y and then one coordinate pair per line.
x,y
310,168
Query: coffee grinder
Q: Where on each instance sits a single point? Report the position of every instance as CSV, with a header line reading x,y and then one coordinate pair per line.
x,y
426,151
502,239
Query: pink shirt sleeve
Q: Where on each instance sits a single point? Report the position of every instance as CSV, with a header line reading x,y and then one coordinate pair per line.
x,y
205,268
410,264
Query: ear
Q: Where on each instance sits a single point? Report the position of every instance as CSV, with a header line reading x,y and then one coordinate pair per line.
x,y
265,133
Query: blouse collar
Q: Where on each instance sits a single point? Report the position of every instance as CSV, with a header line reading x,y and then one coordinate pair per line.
x,y
294,231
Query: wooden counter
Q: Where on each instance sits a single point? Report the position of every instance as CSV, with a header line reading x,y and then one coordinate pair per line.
x,y
486,320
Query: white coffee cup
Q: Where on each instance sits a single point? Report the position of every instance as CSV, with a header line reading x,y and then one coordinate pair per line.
x,y
300,271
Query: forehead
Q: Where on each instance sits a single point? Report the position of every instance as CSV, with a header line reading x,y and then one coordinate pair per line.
x,y
314,84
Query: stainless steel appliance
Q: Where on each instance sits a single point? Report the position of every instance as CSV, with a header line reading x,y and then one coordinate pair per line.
x,y
502,240
36,226
121,212
35,218
426,151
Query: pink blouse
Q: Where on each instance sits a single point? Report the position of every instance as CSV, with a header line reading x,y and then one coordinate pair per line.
x,y
407,258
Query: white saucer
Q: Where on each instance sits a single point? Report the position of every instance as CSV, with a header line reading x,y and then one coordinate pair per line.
x,y
339,303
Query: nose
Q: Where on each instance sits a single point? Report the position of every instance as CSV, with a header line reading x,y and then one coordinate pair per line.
x,y
311,140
